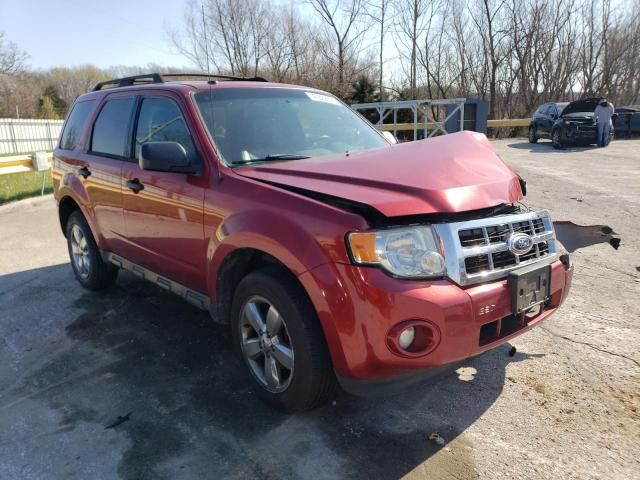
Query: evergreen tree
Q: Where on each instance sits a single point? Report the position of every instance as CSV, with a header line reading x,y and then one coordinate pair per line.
x,y
363,90
47,109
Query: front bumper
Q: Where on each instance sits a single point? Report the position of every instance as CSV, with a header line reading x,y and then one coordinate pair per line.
x,y
580,132
357,307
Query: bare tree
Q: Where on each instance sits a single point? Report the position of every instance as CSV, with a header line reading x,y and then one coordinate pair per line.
x,y
11,57
229,35
411,18
493,35
72,82
343,18
378,11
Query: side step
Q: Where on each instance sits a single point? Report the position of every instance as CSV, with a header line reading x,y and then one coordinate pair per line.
x,y
195,298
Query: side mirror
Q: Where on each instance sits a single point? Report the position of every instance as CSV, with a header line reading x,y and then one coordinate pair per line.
x,y
165,157
389,137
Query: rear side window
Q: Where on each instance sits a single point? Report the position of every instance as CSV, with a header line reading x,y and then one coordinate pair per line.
x,y
111,130
160,120
75,124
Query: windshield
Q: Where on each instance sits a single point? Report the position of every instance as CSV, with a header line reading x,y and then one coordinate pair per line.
x,y
249,125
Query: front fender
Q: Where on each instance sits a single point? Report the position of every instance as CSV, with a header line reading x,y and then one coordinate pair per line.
x,y
275,234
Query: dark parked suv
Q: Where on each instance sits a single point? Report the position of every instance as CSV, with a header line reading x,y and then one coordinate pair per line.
x,y
335,256
543,120
566,123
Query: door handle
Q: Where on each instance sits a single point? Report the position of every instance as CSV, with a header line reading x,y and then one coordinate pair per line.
x,y
84,172
135,185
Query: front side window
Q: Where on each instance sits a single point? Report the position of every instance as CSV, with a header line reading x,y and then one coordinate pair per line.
x,y
262,124
75,123
541,110
160,120
111,130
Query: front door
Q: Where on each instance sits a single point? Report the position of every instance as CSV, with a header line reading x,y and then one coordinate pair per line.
x,y
163,210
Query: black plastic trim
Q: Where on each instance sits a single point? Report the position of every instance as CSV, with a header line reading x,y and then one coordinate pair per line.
x,y
395,384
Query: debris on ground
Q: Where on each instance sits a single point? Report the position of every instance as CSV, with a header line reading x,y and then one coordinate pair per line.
x,y
436,438
512,351
574,237
466,374
119,421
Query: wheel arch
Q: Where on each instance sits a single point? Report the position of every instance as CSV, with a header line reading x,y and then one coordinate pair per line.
x,y
66,207
236,265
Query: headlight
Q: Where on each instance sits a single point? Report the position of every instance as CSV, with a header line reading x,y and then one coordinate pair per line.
x,y
405,252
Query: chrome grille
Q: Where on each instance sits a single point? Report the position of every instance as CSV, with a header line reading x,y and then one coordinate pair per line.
x,y
477,251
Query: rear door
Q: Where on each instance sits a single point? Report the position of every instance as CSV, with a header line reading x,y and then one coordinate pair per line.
x,y
163,211
553,116
545,120
101,164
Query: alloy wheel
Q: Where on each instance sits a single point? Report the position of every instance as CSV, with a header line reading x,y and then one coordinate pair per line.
x,y
80,251
266,344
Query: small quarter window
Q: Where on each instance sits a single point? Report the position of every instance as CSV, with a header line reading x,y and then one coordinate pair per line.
x,y
111,130
75,123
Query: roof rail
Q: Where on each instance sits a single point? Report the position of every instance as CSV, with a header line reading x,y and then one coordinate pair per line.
x,y
215,75
128,81
158,78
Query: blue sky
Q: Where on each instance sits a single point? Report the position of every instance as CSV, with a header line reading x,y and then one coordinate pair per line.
x,y
105,33
102,33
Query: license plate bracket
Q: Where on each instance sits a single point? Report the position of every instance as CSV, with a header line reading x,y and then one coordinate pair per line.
x,y
529,286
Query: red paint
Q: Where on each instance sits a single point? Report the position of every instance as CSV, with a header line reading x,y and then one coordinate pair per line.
x,y
357,306
451,173
185,226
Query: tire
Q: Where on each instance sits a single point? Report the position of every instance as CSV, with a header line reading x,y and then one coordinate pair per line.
x,y
270,294
532,135
90,270
556,139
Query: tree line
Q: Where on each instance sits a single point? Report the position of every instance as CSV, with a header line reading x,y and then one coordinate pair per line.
x,y
515,54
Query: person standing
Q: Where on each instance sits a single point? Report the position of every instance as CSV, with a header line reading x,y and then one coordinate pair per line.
x,y
603,114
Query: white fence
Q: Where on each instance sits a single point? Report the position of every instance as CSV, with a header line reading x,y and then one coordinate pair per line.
x,y
22,135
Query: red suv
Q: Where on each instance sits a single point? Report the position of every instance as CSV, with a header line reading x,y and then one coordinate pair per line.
x,y
337,257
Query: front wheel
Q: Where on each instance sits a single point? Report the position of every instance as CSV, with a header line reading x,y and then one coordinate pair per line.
x,y
532,135
556,139
278,334
90,270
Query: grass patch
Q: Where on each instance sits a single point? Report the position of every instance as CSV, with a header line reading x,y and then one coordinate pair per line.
x,y
23,185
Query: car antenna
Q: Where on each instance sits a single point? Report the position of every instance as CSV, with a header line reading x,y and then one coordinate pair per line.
x,y
211,80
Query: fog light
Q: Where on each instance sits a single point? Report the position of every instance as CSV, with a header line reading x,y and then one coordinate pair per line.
x,y
406,338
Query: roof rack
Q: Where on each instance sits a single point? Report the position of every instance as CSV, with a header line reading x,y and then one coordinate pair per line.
x,y
128,81
158,78
215,75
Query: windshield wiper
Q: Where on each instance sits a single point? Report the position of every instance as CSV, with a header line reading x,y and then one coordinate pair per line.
x,y
273,157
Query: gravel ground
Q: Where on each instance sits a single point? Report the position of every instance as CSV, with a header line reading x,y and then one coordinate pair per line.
x,y
565,406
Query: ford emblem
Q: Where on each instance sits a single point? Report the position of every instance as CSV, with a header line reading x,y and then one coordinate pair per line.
x,y
519,243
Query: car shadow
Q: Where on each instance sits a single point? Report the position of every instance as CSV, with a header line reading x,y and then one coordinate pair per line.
x,y
544,146
140,364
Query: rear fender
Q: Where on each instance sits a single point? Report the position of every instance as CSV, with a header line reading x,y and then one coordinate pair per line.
x,y
70,186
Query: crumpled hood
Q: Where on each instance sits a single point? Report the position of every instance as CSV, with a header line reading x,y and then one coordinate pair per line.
x,y
451,173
